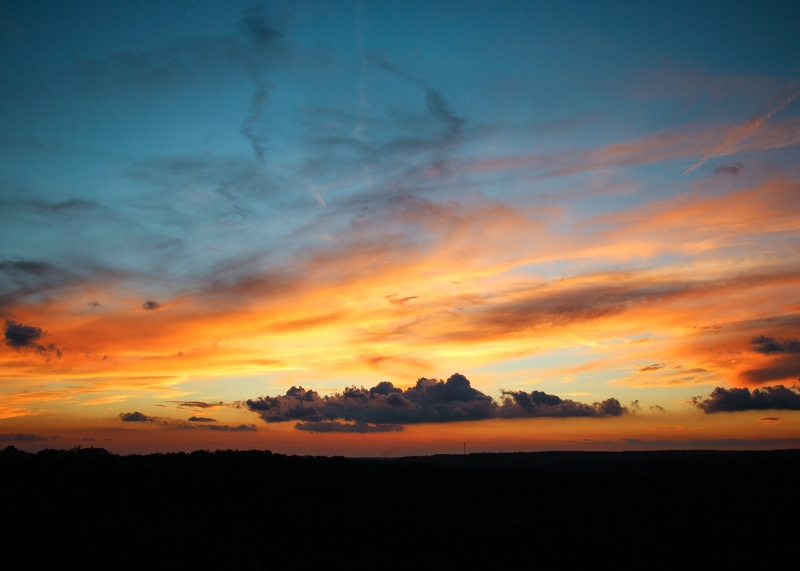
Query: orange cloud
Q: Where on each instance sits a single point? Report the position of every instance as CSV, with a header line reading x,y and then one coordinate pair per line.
x,y
469,289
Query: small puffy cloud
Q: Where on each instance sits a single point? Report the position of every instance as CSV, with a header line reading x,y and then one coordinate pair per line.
x,y
93,303
136,417
201,419
18,336
429,400
150,305
732,168
658,408
771,420
736,400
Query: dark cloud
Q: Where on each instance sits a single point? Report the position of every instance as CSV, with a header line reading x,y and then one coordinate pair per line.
x,y
187,62
394,300
733,168
197,404
20,336
73,205
773,346
658,408
440,109
178,424
93,303
25,437
429,400
150,305
562,308
634,404
735,400
358,427
239,184
519,404
782,367
437,105
253,52
539,310
26,267
136,417
21,279
654,367
780,363
258,102
66,207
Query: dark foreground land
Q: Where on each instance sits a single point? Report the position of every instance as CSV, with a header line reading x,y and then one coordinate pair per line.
x,y
257,510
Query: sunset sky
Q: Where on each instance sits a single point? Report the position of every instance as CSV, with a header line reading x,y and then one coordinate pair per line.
x,y
572,221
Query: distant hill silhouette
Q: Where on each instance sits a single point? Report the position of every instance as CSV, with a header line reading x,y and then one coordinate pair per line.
x,y
258,510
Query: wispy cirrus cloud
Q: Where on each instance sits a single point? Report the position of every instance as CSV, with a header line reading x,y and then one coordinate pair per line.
x,y
753,135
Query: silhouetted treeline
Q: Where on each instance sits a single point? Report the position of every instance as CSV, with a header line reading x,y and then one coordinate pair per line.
x,y
258,510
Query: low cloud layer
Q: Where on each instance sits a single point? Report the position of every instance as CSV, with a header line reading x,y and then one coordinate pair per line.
x,y
430,400
197,404
194,423
25,437
357,427
226,428
736,400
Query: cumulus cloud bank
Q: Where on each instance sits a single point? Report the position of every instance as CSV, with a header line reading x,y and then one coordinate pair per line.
x,y
735,400
430,400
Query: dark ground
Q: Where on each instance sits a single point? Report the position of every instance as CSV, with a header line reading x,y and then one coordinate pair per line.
x,y
257,510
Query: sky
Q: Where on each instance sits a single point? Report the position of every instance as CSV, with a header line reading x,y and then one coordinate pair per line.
x,y
390,228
